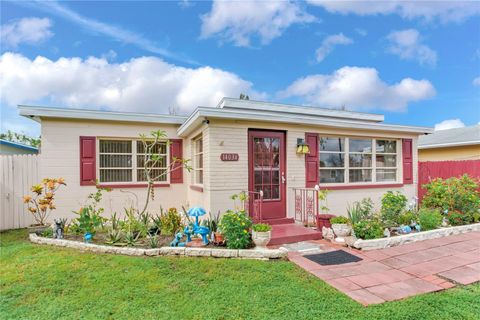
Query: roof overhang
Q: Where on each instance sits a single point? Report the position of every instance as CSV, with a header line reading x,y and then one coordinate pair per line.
x,y
231,103
448,145
17,145
203,113
36,113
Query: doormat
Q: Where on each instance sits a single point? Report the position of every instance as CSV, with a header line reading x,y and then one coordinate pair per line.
x,y
333,257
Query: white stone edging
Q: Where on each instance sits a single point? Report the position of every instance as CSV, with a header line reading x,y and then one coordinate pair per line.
x,y
260,253
413,237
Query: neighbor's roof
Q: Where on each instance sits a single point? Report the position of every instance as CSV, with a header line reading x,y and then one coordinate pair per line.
x,y
36,113
451,138
17,145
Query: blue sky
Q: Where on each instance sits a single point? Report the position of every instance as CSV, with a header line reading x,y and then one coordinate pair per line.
x,y
417,63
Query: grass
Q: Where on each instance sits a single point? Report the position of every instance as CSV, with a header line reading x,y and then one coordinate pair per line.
x,y
41,282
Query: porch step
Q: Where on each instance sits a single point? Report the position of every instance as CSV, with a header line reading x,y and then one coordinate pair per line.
x,y
279,221
291,233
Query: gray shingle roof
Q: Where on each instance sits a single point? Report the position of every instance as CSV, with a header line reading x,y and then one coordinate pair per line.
x,y
451,137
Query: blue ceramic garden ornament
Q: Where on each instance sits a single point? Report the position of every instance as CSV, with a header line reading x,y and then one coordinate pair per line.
x,y
196,228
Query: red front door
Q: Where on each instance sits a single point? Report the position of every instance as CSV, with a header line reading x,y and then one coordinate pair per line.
x,y
267,171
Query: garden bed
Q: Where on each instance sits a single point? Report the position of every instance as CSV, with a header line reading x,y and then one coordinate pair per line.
x,y
257,253
413,237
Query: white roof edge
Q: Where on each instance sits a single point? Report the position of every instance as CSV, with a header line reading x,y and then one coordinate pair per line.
x,y
202,112
452,144
295,109
36,113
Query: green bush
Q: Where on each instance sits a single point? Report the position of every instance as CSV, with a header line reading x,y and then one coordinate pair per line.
x,y
339,220
453,194
360,210
368,229
457,218
235,227
429,219
407,217
170,221
393,205
261,227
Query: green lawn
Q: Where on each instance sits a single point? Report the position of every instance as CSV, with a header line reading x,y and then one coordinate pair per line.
x,y
41,282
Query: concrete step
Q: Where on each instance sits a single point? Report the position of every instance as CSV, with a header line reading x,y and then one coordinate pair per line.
x,y
291,233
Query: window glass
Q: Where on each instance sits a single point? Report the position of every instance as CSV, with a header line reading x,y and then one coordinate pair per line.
x,y
386,175
386,161
360,175
386,146
198,160
360,160
332,144
360,145
332,176
331,160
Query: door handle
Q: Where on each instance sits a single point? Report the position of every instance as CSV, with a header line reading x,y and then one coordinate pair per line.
x,y
283,177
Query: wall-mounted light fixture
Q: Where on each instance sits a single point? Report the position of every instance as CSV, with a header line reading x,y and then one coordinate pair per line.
x,y
302,147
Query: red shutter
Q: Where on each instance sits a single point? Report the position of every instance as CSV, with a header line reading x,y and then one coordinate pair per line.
x,y
87,161
311,160
176,151
407,153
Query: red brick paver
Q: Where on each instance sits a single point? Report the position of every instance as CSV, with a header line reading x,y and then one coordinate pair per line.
x,y
399,272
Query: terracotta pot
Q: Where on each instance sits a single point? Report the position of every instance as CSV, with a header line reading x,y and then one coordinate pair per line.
x,y
37,228
218,237
261,239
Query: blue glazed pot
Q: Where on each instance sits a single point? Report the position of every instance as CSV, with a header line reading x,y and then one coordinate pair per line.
x,y
88,237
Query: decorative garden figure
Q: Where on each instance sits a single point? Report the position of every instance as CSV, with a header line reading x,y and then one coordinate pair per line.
x,y
196,228
386,233
327,233
58,230
88,237
176,241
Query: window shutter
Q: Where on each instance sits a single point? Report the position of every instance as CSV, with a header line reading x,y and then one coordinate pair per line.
x,y
311,160
176,151
407,155
87,161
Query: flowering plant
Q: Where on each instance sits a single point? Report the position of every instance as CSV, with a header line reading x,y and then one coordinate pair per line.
x,y
235,227
393,205
41,203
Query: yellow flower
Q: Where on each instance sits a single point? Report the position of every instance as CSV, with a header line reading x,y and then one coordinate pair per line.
x,y
27,199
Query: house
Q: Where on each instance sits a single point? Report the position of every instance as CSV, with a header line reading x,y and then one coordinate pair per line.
x,y
238,145
451,144
10,147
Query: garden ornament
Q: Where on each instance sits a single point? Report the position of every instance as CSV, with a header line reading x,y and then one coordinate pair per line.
x,y
418,227
88,237
386,233
196,228
176,241
58,228
444,222
327,233
405,229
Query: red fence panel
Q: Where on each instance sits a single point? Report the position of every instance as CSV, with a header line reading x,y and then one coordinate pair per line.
x,y
429,170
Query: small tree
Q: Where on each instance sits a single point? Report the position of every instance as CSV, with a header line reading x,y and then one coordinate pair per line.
x,y
41,204
151,159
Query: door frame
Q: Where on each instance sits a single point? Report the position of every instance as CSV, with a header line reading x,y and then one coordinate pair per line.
x,y
283,160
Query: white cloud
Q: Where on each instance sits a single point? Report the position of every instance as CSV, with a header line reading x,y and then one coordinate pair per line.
x,y
444,11
361,32
26,30
146,84
407,44
329,43
238,21
449,124
114,32
476,82
358,89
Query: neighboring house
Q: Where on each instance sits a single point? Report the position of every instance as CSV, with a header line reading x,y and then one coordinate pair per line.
x,y
9,147
448,153
452,144
237,146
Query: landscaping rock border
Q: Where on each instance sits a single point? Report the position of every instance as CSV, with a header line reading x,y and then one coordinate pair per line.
x,y
413,237
259,254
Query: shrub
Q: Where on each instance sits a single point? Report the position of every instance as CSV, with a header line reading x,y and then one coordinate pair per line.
x,y
368,229
339,220
429,219
407,217
41,204
360,210
235,226
170,221
457,218
393,204
89,217
453,194
261,227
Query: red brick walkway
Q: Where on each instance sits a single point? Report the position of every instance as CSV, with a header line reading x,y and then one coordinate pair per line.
x,y
403,271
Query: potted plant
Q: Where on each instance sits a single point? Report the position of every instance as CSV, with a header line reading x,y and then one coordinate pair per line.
x,y
261,234
212,223
41,203
341,228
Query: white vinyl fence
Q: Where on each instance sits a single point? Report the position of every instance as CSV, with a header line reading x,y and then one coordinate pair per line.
x,y
17,174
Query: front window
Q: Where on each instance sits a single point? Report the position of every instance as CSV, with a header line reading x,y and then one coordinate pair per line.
x,y
124,160
198,160
357,160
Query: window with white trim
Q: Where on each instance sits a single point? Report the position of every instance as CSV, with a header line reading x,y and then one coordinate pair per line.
x,y
121,161
198,160
357,160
